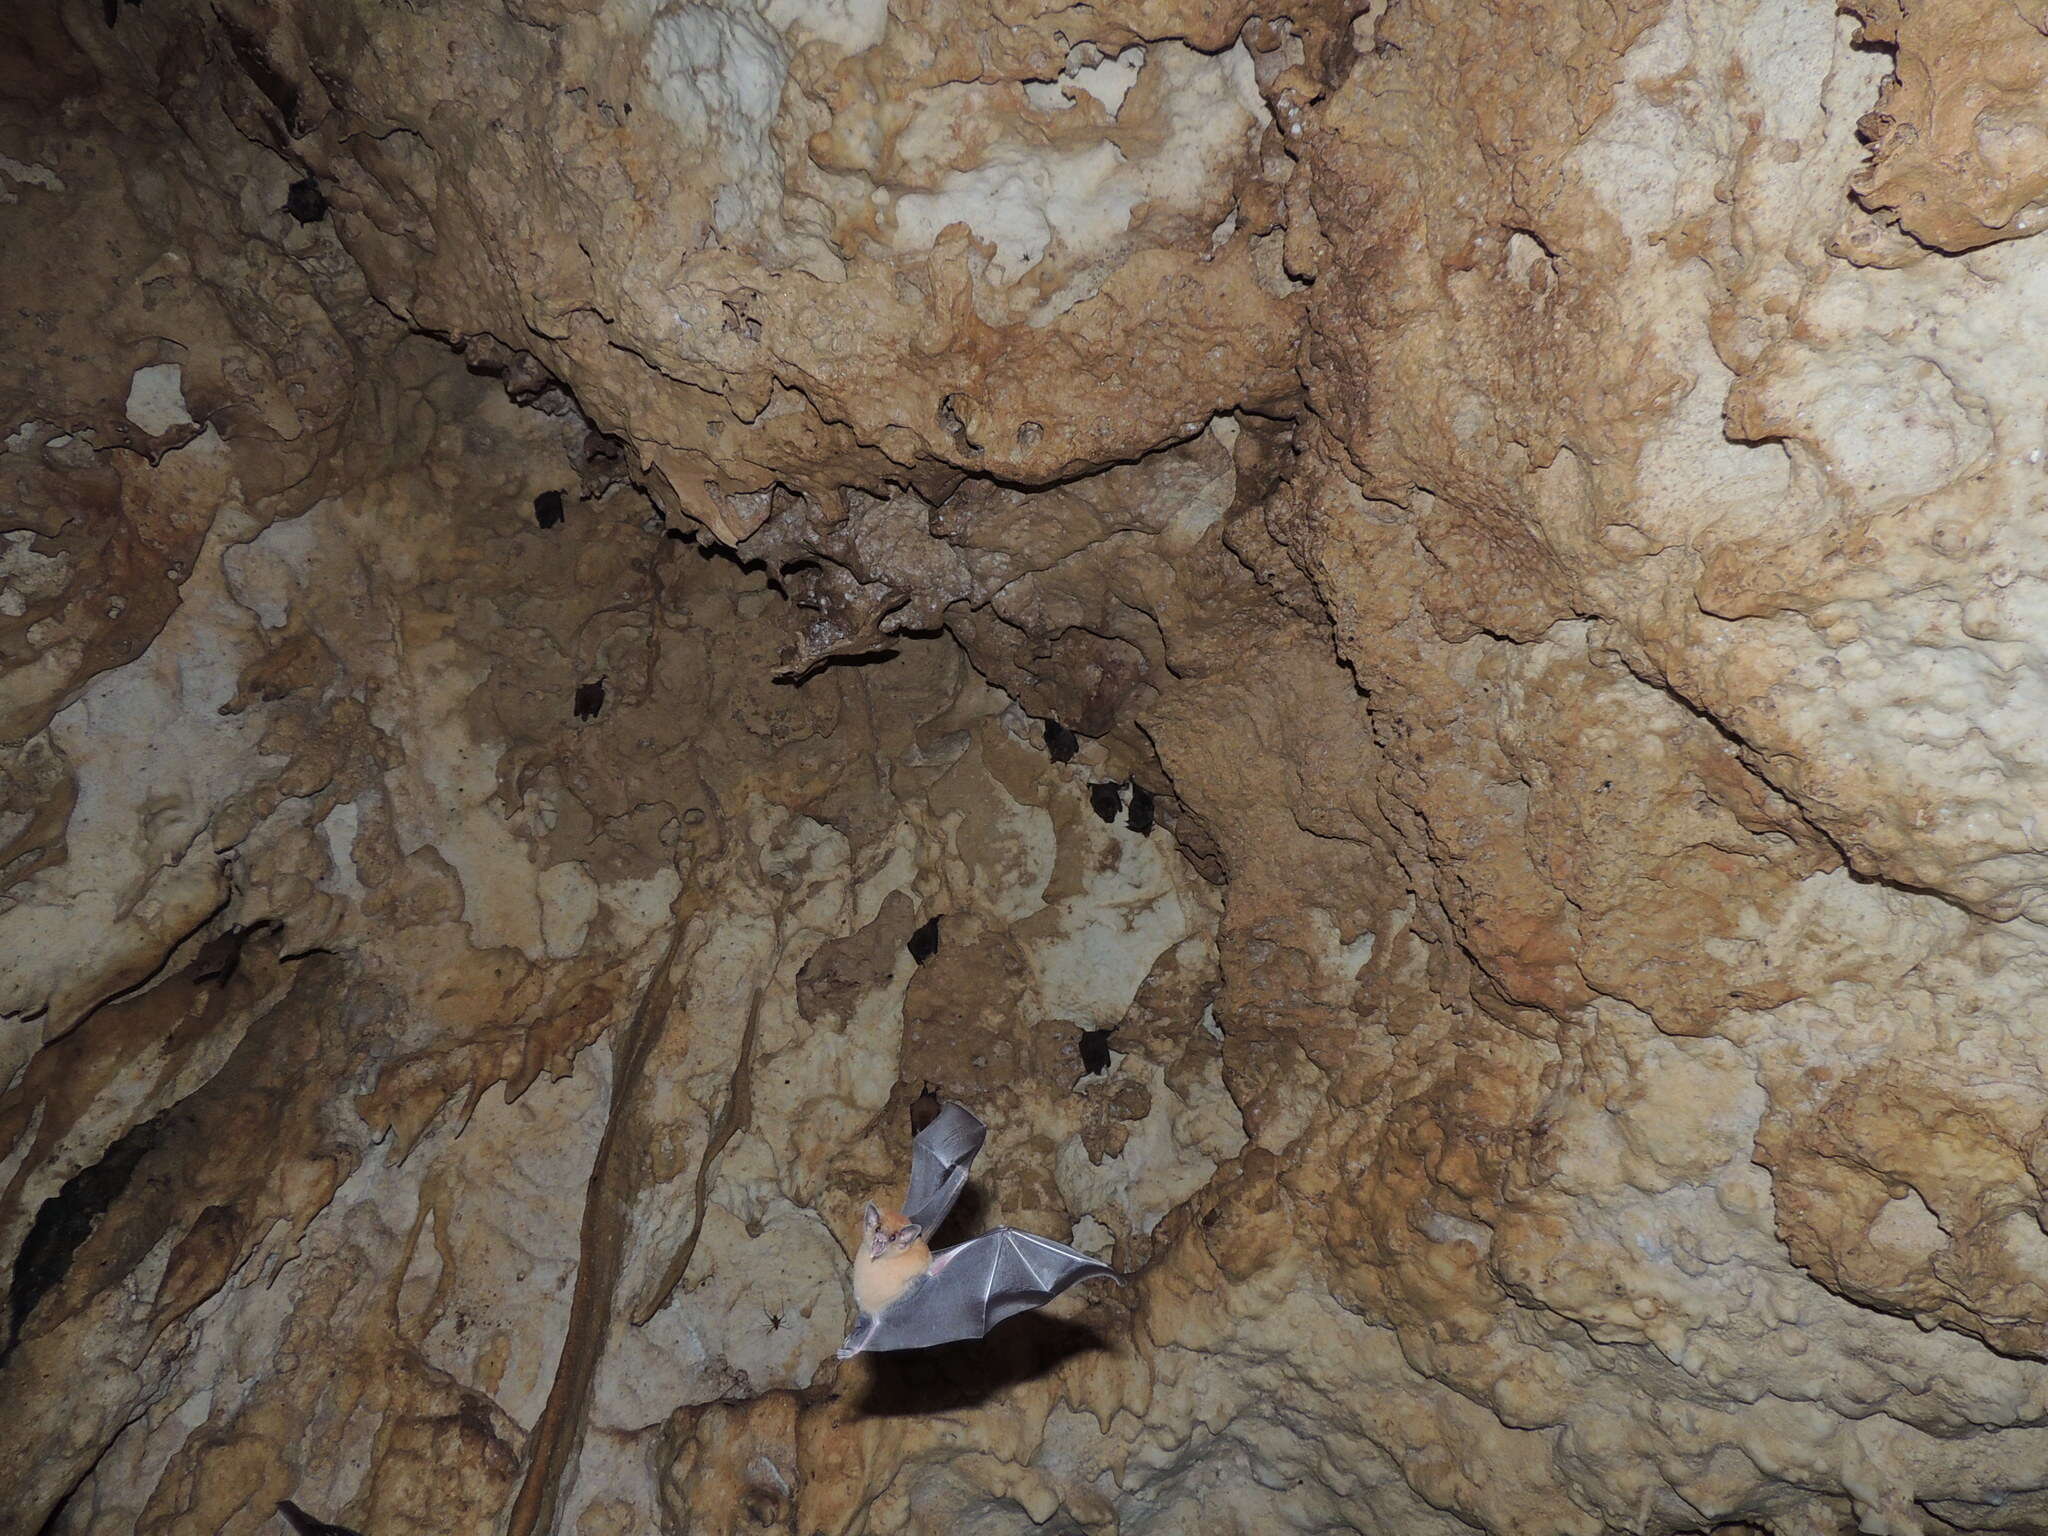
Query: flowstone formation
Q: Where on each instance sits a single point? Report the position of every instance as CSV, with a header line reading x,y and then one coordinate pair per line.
x,y
551,548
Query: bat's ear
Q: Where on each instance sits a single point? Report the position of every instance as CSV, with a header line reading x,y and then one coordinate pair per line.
x,y
870,1218
911,1233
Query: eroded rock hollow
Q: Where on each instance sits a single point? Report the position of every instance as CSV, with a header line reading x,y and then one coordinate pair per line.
x,y
552,552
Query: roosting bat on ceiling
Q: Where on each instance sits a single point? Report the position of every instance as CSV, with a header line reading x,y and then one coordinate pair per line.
x,y
911,1297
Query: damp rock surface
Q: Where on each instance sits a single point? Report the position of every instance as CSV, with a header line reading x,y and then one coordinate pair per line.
x,y
1405,643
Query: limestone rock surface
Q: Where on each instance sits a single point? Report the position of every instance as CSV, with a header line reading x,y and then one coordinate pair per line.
x,y
1547,505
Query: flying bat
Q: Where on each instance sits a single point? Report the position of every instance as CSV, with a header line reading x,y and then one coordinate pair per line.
x,y
910,1297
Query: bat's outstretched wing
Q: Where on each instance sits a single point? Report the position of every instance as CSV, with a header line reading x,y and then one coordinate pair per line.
x,y
940,1156
973,1286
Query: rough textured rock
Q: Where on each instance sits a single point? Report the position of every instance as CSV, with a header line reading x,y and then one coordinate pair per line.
x,y
1546,498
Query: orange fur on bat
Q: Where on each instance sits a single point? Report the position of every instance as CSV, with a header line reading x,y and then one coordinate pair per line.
x,y
892,1254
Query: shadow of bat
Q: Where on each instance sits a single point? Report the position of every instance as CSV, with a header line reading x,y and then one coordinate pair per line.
x,y
950,1377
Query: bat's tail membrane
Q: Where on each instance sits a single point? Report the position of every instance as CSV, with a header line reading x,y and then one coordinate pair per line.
x,y
858,1340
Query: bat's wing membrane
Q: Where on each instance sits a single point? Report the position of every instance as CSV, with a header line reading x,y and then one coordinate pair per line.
x,y
973,1286
1023,1271
940,1157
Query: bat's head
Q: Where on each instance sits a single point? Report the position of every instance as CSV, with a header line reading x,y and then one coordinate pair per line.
x,y
885,1232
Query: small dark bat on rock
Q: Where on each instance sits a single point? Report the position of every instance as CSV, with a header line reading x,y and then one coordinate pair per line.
x,y
1107,799
305,201
1139,817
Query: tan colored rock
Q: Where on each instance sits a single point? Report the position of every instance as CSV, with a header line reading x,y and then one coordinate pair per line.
x,y
976,265
1566,574
1959,141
